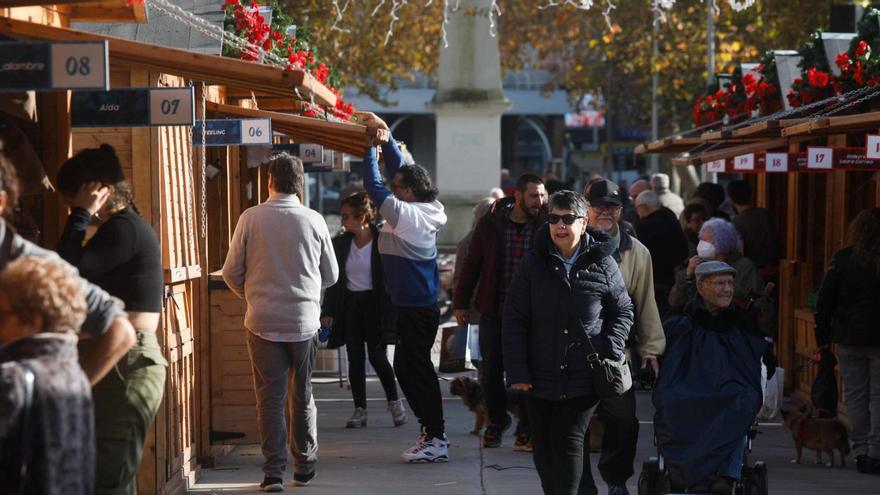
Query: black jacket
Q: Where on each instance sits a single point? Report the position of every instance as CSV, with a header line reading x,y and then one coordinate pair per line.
x,y
547,316
848,304
335,298
661,233
62,427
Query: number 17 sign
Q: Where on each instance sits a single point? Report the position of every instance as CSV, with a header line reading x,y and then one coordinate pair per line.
x,y
872,150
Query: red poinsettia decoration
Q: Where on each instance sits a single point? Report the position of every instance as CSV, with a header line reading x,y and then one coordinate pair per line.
x,y
252,26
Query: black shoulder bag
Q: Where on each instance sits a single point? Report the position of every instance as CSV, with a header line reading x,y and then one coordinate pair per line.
x,y
27,378
611,377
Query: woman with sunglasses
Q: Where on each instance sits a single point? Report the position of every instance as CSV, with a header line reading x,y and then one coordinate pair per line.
x,y
358,308
568,290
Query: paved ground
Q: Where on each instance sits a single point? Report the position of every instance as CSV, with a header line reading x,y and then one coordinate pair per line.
x,y
366,461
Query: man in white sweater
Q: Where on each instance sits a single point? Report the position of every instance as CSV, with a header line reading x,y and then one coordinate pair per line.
x,y
279,260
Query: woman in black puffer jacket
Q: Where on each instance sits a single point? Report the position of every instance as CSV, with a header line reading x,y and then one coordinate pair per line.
x,y
567,288
848,314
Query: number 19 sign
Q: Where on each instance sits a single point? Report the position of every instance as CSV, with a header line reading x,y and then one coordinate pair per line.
x,y
53,66
232,132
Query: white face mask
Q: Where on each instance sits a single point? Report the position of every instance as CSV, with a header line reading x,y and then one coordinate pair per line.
x,y
706,250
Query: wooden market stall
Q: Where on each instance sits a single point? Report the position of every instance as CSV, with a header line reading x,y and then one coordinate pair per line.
x,y
812,208
168,182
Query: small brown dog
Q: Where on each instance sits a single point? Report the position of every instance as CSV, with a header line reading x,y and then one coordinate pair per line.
x,y
819,434
471,393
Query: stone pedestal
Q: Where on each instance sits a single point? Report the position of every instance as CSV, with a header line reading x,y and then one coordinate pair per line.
x,y
468,106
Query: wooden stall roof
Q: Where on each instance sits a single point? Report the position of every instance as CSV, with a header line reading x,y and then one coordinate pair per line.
x,y
668,145
118,11
834,125
765,129
200,67
730,151
339,136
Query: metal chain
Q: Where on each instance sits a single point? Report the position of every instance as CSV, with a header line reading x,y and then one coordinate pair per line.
x,y
191,225
831,111
204,164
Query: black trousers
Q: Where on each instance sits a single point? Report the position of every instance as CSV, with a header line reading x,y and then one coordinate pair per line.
x,y
558,436
362,327
416,331
491,352
619,441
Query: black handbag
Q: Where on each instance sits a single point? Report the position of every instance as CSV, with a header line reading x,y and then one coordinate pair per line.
x,y
611,377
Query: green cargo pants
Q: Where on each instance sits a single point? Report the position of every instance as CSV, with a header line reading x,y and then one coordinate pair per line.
x,y
126,402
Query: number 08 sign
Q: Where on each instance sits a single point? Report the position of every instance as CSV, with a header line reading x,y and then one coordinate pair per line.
x,y
53,66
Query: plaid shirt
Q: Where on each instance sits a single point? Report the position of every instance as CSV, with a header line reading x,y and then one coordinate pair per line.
x,y
517,242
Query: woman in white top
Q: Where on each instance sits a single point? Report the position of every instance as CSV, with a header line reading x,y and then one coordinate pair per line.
x,y
358,309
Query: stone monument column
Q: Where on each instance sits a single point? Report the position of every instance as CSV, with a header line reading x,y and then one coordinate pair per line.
x,y
468,105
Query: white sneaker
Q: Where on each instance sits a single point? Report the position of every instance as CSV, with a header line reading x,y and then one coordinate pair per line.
x,y
398,412
427,450
358,418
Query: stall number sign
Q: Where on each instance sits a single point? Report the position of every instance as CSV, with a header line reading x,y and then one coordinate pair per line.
x,y
232,132
744,162
308,153
53,66
872,149
820,158
141,107
716,166
777,162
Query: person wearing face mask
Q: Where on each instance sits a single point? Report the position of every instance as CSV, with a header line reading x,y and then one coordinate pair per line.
x,y
618,414
358,309
719,242
567,299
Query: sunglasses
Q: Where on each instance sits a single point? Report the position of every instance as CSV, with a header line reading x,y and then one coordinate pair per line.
x,y
566,219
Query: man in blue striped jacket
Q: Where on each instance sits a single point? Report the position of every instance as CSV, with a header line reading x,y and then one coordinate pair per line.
x,y
408,246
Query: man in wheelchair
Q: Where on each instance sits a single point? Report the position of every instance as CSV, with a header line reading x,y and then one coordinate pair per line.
x,y
709,388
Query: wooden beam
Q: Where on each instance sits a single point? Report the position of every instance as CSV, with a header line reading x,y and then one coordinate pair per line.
x,y
765,129
345,137
211,69
732,151
668,145
835,125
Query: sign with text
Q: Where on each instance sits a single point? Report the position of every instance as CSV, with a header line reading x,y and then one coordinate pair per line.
x,y
744,163
872,146
53,66
308,153
776,162
820,158
137,107
716,166
232,132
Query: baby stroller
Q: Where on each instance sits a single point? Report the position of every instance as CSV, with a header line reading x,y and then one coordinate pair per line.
x,y
706,400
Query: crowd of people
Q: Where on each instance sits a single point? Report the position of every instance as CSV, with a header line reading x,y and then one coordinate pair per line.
x,y
555,283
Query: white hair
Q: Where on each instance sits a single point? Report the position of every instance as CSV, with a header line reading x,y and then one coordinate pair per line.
x,y
648,198
496,193
660,182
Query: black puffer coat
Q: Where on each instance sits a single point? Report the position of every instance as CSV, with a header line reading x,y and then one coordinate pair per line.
x,y
547,316
848,304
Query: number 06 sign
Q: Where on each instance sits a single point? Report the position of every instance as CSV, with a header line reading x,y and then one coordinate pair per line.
x,y
232,132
